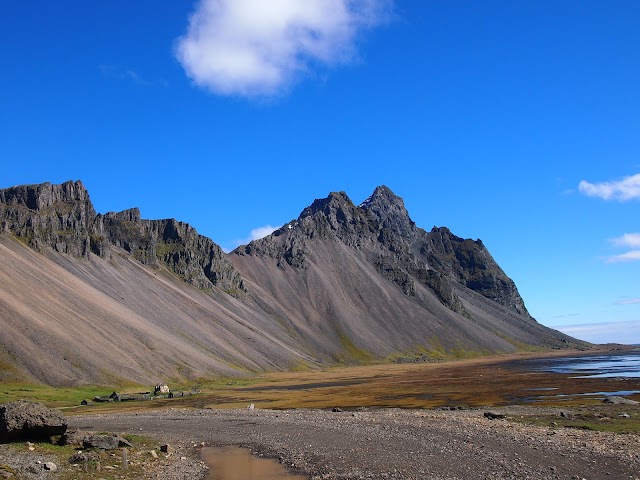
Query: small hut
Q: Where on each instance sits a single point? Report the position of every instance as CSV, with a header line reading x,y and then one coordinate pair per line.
x,y
161,388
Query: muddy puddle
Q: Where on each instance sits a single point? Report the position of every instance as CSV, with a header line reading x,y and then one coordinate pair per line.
x,y
235,463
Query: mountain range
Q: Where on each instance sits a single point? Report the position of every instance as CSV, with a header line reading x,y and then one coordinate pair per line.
x,y
89,298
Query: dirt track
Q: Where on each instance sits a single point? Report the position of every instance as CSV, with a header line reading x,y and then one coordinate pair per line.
x,y
393,444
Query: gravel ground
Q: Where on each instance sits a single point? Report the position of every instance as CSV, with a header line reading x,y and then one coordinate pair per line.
x,y
386,444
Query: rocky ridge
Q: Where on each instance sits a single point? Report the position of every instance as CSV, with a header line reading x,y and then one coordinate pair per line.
x,y
339,284
62,217
400,251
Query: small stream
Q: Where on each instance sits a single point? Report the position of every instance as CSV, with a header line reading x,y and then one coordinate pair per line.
x,y
236,463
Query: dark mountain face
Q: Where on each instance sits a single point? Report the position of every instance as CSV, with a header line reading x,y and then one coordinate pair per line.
x,y
123,298
401,252
62,217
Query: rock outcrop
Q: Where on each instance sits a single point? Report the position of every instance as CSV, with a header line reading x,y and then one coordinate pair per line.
x,y
24,420
400,251
62,218
46,215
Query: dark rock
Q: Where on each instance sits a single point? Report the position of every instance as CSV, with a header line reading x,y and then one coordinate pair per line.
x,y
73,437
564,414
494,416
24,420
400,251
46,215
177,245
337,409
103,442
62,218
167,448
84,457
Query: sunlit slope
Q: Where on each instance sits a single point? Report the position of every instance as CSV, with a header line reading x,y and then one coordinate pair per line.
x,y
67,320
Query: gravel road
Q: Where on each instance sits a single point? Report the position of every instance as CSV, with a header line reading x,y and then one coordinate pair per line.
x,y
393,444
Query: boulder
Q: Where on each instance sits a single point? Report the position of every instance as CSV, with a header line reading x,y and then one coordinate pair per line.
x,y
103,442
73,437
24,420
494,416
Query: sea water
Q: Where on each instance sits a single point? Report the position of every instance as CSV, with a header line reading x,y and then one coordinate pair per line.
x,y
621,366
597,366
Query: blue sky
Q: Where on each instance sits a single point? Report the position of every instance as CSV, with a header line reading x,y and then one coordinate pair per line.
x,y
513,122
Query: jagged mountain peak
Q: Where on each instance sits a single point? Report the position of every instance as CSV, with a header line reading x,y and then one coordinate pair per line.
x,y
381,194
335,200
389,210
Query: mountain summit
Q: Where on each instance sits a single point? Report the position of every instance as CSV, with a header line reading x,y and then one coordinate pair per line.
x,y
382,231
121,298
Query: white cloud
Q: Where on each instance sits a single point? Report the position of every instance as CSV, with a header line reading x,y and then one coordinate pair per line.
x,y
255,234
628,301
258,48
628,240
626,189
631,240
605,332
631,256
261,232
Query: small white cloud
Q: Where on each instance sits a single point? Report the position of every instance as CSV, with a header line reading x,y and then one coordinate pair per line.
x,y
631,256
605,332
630,240
261,232
255,234
258,48
628,301
626,189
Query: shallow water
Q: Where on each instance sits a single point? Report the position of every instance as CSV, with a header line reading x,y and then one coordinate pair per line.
x,y
235,463
597,366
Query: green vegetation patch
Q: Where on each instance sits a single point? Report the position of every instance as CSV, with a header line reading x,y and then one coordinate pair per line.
x,y
599,418
352,353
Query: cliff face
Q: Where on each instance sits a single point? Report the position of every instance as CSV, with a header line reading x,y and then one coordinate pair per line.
x,y
62,218
401,252
46,215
